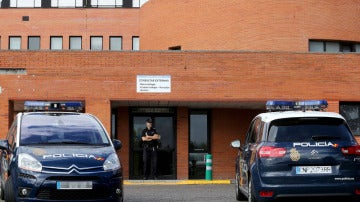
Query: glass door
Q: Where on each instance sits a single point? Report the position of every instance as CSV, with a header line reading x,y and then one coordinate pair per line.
x,y
199,143
165,126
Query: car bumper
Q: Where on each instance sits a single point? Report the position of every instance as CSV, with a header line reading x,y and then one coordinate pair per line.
x,y
106,187
321,190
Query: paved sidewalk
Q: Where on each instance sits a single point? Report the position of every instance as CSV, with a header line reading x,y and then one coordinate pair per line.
x,y
177,182
180,193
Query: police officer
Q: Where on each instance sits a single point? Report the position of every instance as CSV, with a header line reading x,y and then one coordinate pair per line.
x,y
150,140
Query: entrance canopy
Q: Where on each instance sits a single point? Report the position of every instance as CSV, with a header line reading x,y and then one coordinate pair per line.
x,y
257,105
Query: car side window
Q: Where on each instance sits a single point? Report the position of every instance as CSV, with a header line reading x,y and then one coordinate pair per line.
x,y
11,137
261,131
254,132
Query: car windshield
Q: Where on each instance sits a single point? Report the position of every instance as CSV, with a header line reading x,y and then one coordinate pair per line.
x,y
61,128
309,129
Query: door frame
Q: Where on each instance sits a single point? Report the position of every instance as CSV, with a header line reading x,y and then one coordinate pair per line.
x,y
208,113
151,112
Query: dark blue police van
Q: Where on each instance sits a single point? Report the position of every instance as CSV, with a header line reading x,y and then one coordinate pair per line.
x,y
52,155
298,150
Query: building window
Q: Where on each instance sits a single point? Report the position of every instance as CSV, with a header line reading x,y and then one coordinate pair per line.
x,y
75,43
316,46
56,43
33,43
25,3
136,3
96,43
135,43
115,43
15,42
351,112
357,48
107,3
66,3
332,46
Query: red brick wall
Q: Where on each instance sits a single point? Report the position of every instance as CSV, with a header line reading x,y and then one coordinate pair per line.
x,y
334,106
196,76
228,125
246,25
69,22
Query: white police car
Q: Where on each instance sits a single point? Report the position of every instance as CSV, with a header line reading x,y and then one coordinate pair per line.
x,y
297,150
54,155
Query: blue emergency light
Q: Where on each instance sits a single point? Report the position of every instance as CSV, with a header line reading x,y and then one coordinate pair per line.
x,y
305,105
52,106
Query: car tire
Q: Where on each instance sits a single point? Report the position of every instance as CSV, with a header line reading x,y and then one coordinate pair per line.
x,y
251,197
9,191
239,195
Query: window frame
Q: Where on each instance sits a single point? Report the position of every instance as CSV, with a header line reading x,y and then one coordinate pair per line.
x,y
10,37
132,43
81,43
102,43
342,44
206,112
28,44
121,45
62,43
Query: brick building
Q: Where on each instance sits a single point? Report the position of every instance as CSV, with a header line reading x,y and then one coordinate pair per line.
x,y
201,98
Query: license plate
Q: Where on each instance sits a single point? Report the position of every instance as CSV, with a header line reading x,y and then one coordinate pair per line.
x,y
303,170
74,185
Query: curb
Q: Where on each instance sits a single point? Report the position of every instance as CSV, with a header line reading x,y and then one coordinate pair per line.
x,y
177,182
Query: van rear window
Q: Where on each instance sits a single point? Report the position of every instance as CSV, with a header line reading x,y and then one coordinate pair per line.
x,y
309,129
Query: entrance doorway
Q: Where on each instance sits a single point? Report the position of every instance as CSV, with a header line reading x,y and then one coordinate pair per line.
x,y
164,122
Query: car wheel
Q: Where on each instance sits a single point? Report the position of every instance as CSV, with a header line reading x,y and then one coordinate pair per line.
x,y
1,191
239,195
9,190
251,197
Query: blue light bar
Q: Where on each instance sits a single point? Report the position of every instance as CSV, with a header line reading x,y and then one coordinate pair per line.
x,y
305,105
316,105
52,106
278,105
33,105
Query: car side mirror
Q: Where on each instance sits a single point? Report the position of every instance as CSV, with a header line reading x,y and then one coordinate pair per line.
x,y
236,144
4,145
117,144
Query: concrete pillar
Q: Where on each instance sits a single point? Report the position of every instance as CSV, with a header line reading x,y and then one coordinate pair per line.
x,y
123,134
182,143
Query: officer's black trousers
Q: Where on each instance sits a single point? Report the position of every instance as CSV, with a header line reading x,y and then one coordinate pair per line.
x,y
150,157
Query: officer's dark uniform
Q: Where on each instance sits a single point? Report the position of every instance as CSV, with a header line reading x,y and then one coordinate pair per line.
x,y
150,149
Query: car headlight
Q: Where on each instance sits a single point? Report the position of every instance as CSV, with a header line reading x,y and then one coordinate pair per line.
x,y
28,162
112,162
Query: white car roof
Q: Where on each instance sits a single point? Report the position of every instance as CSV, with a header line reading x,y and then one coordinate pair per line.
x,y
271,116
